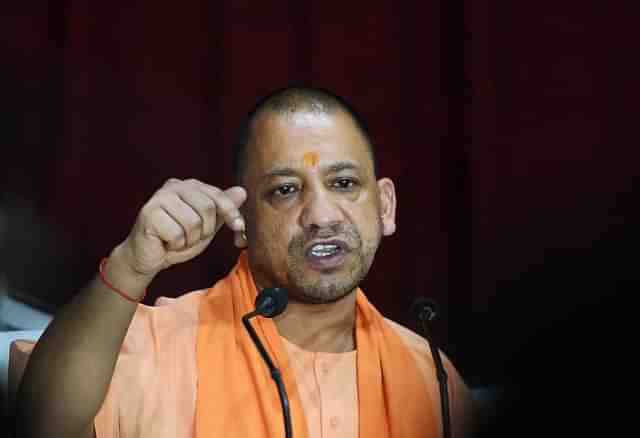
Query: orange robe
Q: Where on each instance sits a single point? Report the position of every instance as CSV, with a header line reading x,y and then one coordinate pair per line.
x,y
188,369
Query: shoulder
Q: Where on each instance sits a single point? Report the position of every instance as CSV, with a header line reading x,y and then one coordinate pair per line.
x,y
419,346
168,318
185,305
411,339
421,351
463,408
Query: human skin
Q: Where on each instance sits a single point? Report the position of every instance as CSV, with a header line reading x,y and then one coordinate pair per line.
x,y
79,349
311,179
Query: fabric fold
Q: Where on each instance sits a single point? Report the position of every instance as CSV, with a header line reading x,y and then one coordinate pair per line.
x,y
238,398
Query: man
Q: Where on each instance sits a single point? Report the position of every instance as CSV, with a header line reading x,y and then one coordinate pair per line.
x,y
309,213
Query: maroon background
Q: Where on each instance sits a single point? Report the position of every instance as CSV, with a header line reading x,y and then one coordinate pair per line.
x,y
505,125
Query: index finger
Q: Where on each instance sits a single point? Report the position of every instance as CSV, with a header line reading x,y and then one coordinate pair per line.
x,y
228,203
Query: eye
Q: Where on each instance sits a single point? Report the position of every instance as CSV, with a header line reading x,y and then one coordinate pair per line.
x,y
344,184
284,190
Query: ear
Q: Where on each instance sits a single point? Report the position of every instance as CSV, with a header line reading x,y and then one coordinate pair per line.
x,y
387,193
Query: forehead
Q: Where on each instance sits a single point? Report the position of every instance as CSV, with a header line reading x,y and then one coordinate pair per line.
x,y
288,140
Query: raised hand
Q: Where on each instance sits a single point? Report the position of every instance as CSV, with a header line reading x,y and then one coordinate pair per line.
x,y
179,222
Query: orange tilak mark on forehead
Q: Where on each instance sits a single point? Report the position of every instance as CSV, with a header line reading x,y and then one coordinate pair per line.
x,y
311,159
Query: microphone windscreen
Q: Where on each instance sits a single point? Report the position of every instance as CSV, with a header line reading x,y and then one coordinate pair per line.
x,y
272,301
423,305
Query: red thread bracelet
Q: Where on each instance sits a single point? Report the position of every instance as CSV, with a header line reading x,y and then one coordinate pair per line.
x,y
103,262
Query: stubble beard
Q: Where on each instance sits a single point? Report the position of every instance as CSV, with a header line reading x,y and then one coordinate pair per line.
x,y
330,287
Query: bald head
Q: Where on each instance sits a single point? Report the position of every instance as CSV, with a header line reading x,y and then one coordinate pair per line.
x,y
288,102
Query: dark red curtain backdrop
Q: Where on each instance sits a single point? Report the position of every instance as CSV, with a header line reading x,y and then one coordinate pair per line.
x,y
503,124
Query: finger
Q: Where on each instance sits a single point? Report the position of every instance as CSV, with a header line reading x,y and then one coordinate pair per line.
x,y
240,239
171,182
237,194
227,204
185,216
204,206
162,225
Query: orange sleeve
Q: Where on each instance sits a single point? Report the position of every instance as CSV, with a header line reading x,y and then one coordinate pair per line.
x,y
153,389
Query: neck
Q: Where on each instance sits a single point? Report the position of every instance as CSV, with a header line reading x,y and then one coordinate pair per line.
x,y
326,328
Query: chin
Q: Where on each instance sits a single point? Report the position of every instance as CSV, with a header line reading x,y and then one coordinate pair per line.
x,y
320,296
321,290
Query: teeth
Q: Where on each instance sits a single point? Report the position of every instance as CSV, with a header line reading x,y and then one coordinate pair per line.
x,y
321,250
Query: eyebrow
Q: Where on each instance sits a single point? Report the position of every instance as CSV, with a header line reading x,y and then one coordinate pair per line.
x,y
342,165
290,171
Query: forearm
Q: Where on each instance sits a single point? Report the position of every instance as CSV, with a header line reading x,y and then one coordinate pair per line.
x,y
71,367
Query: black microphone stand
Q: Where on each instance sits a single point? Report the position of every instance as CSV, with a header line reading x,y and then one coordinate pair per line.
x,y
426,314
275,372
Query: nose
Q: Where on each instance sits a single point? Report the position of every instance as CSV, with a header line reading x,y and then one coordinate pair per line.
x,y
320,211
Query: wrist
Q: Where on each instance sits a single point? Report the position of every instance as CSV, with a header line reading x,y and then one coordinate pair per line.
x,y
118,273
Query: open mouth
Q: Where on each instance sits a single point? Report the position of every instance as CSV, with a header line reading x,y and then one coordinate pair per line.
x,y
326,255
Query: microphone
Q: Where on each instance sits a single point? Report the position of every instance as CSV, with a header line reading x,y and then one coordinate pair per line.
x,y
426,310
271,302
